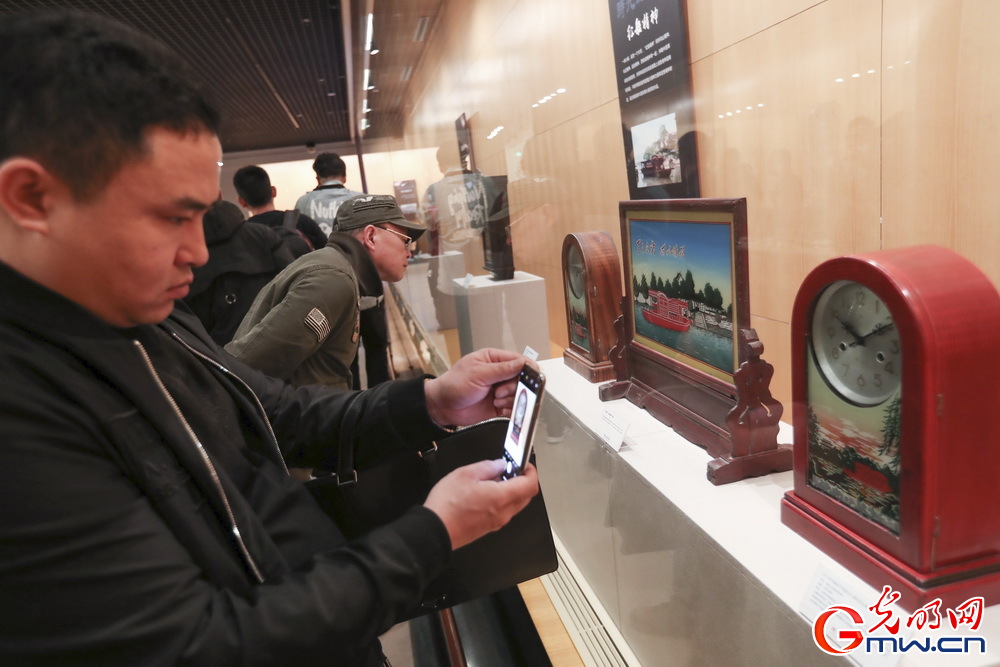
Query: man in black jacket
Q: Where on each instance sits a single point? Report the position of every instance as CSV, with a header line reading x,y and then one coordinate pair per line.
x,y
256,194
146,515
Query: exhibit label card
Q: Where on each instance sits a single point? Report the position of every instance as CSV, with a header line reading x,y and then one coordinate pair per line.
x,y
653,70
611,429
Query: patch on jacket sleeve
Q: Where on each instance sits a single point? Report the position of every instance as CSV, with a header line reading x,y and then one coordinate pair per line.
x,y
318,324
369,302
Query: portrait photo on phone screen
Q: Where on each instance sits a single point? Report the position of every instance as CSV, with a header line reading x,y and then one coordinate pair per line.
x,y
522,419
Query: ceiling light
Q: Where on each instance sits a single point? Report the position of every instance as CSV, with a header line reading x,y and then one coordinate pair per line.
x,y
421,31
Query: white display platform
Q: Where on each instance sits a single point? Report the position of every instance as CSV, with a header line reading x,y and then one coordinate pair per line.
x,y
694,573
506,314
428,287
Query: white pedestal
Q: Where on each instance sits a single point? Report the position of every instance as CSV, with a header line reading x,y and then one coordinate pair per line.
x,y
430,290
506,314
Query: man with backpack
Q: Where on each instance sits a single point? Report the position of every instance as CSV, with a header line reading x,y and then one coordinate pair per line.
x,y
256,194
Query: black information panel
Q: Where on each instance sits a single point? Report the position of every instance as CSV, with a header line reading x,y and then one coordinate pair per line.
x,y
654,93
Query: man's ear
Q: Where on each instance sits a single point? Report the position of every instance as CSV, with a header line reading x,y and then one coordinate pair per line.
x,y
367,237
26,193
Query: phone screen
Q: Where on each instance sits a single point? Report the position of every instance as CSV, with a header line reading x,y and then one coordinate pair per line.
x,y
527,399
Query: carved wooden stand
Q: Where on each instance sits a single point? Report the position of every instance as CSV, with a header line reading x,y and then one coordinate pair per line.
x,y
740,435
753,423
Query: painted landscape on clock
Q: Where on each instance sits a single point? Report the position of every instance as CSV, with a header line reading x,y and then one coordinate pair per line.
x,y
854,452
578,321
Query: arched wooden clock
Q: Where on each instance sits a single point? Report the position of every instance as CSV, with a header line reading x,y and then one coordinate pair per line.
x,y
592,283
896,411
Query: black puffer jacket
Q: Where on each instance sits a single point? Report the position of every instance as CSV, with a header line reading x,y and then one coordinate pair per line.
x,y
126,540
242,258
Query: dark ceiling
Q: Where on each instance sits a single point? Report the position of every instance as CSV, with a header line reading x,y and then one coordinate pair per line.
x,y
284,72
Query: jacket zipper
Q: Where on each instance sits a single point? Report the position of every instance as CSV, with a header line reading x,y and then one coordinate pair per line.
x,y
245,552
249,391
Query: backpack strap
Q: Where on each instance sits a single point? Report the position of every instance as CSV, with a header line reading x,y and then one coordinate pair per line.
x,y
291,219
291,223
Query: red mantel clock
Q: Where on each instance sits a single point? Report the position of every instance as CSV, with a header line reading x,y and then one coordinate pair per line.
x,y
896,407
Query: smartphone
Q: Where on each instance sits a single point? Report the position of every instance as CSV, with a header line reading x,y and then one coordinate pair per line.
x,y
527,400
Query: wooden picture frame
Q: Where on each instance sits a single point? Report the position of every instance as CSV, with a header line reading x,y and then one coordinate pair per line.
x,y
685,332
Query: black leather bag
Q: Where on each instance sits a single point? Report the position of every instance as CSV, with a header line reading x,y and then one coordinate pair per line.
x,y
359,500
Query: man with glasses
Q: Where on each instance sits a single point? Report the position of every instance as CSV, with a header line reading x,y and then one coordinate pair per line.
x,y
306,324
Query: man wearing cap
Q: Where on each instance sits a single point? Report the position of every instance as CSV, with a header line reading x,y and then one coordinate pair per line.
x,y
305,325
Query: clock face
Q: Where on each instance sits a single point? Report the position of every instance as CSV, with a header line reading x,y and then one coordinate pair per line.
x,y
575,272
856,344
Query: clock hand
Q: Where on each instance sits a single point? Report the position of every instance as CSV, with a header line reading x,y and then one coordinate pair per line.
x,y
877,331
858,340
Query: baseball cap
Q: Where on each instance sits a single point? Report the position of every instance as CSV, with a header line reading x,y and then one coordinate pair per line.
x,y
373,210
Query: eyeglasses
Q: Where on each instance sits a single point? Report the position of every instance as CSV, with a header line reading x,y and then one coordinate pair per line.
x,y
407,241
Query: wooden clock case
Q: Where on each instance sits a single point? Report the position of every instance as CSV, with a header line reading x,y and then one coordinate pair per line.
x,y
947,313
602,293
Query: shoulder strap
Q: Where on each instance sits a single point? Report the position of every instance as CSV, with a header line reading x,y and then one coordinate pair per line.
x,y
291,219
346,473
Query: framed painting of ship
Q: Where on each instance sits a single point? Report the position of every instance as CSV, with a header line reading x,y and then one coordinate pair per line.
x,y
686,284
686,303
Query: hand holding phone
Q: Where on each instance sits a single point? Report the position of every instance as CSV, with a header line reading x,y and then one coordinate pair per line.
x,y
527,401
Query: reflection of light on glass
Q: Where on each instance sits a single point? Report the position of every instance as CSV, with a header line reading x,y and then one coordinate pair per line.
x,y
497,130
890,67
370,35
855,75
871,71
749,107
364,124
549,97
839,80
